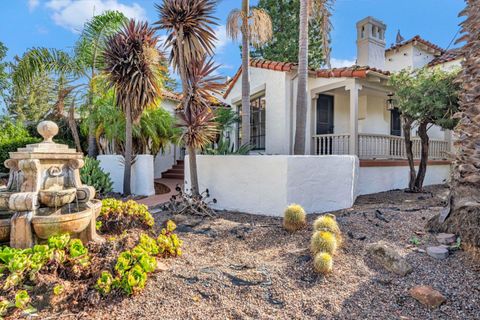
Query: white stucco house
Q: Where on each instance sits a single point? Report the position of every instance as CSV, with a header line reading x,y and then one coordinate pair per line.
x,y
350,112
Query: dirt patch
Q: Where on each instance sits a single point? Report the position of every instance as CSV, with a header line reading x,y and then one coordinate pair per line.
x,y
239,266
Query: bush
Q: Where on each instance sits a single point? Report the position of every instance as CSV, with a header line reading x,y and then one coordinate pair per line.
x,y
294,218
323,241
133,266
116,216
92,175
323,263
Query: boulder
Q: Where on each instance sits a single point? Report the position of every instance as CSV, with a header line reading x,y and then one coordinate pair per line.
x,y
427,296
446,238
440,252
385,255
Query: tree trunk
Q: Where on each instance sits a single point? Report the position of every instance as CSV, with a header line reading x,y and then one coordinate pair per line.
x,y
73,127
407,132
188,113
92,140
192,161
301,111
462,215
422,169
246,139
128,152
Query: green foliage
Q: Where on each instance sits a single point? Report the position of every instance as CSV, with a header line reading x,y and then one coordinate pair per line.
x,y
22,299
22,264
4,305
294,218
284,45
323,263
58,289
323,241
116,216
427,94
223,147
4,76
133,266
415,241
92,175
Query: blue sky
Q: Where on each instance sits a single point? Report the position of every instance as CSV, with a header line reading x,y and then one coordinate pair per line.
x,y
56,23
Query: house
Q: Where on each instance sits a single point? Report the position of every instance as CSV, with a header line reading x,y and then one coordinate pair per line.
x,y
348,109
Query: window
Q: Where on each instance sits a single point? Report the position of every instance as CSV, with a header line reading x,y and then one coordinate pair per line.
x,y
257,123
395,123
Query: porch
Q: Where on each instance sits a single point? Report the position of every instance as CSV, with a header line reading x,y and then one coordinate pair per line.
x,y
353,117
377,146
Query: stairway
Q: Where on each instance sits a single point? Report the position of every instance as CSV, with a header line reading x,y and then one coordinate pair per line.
x,y
176,172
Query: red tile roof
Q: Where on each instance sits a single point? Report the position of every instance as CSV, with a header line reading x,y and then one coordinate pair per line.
x,y
348,72
417,38
450,55
171,95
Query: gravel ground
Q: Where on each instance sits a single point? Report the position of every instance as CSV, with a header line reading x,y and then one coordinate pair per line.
x,y
239,266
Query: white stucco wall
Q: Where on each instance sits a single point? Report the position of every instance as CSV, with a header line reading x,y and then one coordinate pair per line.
x,y
379,179
275,85
267,184
398,59
142,179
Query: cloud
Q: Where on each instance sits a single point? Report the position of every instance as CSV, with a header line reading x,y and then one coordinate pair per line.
x,y
222,39
72,14
339,63
33,4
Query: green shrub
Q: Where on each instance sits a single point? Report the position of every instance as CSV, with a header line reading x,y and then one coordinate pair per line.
x,y
12,145
323,241
22,299
323,263
294,218
92,175
116,216
133,266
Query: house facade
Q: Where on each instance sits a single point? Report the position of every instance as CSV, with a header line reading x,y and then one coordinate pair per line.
x,y
350,109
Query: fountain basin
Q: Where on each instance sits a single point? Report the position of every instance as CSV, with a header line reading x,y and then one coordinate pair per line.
x,y
57,198
5,226
49,222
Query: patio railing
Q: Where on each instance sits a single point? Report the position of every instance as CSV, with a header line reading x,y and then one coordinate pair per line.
x,y
377,146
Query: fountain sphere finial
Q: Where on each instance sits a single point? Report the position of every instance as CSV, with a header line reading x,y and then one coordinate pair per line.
x,y
48,130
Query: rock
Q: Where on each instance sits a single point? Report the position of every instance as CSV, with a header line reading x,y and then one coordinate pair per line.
x,y
437,252
383,254
161,266
427,296
446,238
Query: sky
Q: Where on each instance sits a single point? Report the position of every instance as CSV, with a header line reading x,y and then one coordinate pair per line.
x,y
56,23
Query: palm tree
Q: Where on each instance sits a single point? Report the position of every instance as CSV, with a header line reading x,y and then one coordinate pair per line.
x,y
188,24
132,66
72,69
462,216
255,27
323,9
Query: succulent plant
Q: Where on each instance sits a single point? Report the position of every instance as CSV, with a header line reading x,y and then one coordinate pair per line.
x,y
294,218
323,241
328,222
323,263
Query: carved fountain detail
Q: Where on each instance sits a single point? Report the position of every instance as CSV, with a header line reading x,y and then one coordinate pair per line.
x,y
44,195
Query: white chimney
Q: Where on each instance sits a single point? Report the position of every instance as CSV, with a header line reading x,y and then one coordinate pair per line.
x,y
371,43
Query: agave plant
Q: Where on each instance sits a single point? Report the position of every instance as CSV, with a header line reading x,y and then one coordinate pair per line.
x,y
132,65
191,38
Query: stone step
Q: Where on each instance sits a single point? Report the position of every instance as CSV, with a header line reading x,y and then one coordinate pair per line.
x,y
167,175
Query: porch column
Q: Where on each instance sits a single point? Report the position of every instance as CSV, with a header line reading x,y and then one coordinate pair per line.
x,y
353,87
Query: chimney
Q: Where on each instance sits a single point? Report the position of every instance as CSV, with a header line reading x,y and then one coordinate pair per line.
x,y
371,43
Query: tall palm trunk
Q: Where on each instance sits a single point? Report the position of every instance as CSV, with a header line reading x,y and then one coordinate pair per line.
x,y
192,156
301,112
92,139
463,214
73,127
128,152
245,74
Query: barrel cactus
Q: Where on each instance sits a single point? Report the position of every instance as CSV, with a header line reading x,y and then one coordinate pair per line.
x,y
323,241
323,263
329,223
294,218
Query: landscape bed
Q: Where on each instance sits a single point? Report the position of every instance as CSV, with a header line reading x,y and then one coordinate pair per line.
x,y
239,266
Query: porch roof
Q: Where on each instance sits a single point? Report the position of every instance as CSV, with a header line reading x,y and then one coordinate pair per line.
x,y
345,72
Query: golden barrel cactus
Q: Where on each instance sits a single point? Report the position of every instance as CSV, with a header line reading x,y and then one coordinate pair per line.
x,y
323,263
323,241
294,218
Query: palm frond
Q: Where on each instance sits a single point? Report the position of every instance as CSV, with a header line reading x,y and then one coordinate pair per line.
x,y
194,20
322,9
234,24
199,128
260,27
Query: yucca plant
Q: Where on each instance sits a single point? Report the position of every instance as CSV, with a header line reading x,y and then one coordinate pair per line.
x,y
132,65
191,38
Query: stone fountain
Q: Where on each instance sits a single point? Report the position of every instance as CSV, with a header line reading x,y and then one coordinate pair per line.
x,y
44,195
